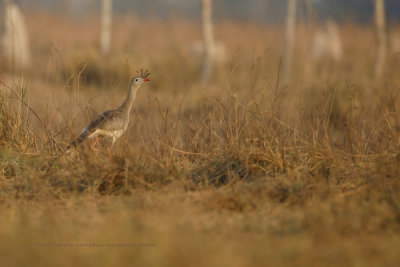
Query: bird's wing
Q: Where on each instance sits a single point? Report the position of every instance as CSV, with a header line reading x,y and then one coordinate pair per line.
x,y
108,120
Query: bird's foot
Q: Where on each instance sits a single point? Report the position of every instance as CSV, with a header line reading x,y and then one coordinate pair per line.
x,y
93,146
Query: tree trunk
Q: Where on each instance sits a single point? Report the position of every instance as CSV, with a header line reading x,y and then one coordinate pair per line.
x,y
290,39
64,7
106,18
380,24
14,39
208,39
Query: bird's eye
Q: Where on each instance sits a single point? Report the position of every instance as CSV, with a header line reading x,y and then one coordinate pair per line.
x,y
136,79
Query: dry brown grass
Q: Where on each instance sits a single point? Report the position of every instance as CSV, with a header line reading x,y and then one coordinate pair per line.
x,y
245,171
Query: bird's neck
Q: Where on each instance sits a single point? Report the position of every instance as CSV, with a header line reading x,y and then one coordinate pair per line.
x,y
130,98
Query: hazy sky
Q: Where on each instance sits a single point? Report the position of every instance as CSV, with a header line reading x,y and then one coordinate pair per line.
x,y
260,10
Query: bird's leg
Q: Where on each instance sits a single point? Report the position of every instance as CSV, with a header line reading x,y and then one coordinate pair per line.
x,y
109,149
92,147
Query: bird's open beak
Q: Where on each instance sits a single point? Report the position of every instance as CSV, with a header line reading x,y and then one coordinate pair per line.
x,y
146,80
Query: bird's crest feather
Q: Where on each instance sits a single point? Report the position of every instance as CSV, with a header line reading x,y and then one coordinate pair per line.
x,y
143,73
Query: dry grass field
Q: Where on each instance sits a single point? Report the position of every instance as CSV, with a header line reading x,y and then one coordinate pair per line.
x,y
245,171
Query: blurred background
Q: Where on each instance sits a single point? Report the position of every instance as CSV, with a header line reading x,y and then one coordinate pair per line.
x,y
269,11
73,50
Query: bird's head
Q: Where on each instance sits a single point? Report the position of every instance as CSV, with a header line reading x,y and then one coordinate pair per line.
x,y
141,77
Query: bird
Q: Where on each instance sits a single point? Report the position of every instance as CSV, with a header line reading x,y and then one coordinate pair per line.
x,y
112,123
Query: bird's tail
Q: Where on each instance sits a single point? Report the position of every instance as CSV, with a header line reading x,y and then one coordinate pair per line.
x,y
78,140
